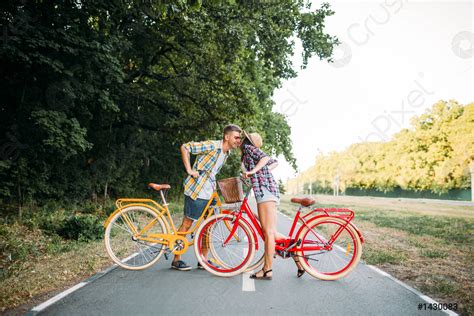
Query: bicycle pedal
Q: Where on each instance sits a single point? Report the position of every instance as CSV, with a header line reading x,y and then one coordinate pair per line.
x,y
294,244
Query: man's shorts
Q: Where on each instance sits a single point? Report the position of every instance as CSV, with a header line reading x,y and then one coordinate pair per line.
x,y
193,208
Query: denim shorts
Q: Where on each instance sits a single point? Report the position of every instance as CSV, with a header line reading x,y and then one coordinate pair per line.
x,y
193,208
267,196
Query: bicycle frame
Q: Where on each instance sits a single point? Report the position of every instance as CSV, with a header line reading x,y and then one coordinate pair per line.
x,y
162,211
286,244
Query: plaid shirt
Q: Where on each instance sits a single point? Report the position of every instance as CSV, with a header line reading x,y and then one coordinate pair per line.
x,y
262,178
207,152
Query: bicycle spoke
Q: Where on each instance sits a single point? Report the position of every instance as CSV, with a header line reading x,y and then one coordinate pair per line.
x,y
126,229
230,256
333,260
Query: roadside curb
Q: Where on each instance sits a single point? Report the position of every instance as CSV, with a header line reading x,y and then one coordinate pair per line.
x,y
39,308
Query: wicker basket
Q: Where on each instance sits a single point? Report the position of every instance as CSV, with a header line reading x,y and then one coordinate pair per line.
x,y
231,189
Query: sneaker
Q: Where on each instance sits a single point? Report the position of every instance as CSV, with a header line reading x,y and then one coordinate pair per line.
x,y
180,265
199,266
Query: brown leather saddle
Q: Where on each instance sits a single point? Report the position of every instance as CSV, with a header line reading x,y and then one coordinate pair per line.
x,y
159,187
306,201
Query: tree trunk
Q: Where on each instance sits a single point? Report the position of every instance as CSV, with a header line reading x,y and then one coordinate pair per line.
x,y
20,211
105,195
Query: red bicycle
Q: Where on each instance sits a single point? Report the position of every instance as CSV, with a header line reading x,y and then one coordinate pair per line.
x,y
326,240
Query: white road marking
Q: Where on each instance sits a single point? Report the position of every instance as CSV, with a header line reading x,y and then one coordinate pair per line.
x,y
58,297
379,271
130,257
428,299
248,284
340,248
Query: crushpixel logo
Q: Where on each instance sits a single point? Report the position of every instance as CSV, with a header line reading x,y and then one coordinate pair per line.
x,y
463,44
342,55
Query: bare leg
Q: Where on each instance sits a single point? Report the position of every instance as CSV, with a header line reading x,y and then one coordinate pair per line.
x,y
266,212
277,234
205,243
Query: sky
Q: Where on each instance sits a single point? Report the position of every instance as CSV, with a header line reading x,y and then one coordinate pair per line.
x,y
397,59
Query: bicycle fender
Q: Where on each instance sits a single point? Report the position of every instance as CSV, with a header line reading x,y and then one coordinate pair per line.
x,y
358,232
253,232
318,217
107,221
349,222
234,228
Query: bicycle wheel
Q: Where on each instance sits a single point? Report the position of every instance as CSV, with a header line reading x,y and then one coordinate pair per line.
x,y
332,260
219,259
215,253
259,256
124,245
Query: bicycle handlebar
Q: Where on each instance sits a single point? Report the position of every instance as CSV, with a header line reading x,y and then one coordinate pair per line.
x,y
244,180
247,183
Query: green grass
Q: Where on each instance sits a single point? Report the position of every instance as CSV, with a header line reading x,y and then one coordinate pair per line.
x,y
416,243
381,256
429,253
20,244
458,230
439,284
176,207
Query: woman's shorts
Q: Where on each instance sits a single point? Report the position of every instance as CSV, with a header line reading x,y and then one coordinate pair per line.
x,y
194,208
267,196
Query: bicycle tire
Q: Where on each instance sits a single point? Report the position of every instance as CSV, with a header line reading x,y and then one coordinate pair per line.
x,y
228,260
331,264
119,242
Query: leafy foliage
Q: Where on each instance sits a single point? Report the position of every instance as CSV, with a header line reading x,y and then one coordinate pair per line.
x,y
97,96
82,227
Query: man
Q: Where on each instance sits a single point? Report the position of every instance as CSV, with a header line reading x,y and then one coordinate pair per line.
x,y
200,183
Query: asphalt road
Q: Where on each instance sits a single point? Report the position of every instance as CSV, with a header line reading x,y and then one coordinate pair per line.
x,y
160,290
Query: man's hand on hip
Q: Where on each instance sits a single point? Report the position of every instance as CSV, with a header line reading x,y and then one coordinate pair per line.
x,y
193,173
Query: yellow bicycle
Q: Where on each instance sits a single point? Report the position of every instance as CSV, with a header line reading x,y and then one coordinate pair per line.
x,y
140,231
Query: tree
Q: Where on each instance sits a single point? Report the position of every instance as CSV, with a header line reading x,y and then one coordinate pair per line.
x,y
433,154
98,95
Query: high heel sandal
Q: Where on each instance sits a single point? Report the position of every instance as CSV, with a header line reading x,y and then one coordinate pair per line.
x,y
300,271
263,277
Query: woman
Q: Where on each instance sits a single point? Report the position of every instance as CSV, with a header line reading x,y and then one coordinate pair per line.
x,y
257,166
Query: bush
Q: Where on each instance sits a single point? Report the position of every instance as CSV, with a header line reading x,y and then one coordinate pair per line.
x,y
83,227
49,222
18,244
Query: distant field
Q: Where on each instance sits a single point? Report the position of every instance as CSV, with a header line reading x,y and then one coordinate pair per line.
x,y
427,244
